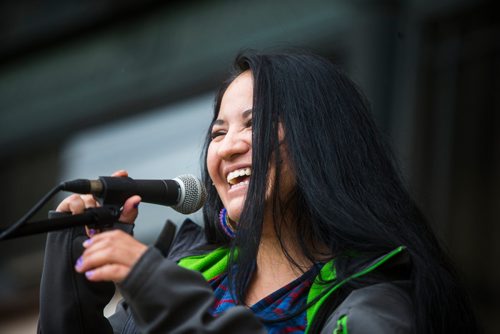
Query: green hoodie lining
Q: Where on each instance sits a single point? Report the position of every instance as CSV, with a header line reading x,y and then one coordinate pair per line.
x,y
328,273
215,263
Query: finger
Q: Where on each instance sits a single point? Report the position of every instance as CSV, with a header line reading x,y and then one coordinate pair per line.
x,y
125,251
101,241
130,210
98,259
73,204
125,256
110,235
110,247
91,231
108,272
120,173
108,239
89,201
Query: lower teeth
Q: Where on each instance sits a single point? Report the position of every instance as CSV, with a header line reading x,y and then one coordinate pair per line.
x,y
239,184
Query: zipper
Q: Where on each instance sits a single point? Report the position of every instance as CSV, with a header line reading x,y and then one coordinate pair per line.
x,y
341,325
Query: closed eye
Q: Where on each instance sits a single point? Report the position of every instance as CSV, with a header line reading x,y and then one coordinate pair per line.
x,y
216,134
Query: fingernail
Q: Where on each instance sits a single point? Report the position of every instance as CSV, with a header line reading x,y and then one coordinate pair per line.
x,y
87,242
89,273
79,263
136,205
92,232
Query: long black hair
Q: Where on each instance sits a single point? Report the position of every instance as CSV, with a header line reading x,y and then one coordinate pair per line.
x,y
348,196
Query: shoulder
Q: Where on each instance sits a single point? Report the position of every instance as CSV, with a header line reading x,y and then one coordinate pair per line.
x,y
189,240
379,308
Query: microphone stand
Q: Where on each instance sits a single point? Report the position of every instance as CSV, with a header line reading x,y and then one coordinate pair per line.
x,y
101,217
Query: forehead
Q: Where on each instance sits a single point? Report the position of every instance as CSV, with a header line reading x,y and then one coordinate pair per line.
x,y
238,96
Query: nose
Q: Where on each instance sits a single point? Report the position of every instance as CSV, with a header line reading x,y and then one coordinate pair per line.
x,y
233,145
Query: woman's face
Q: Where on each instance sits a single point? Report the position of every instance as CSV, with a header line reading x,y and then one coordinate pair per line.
x,y
229,158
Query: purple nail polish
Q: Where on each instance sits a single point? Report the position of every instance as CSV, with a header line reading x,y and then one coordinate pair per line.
x,y
79,263
91,232
87,242
89,273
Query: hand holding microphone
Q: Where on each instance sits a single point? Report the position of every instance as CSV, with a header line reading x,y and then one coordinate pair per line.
x,y
185,194
76,204
109,256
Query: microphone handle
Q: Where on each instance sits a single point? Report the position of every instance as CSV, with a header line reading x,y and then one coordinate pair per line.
x,y
115,190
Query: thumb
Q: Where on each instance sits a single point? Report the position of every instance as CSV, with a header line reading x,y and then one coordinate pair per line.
x,y
130,209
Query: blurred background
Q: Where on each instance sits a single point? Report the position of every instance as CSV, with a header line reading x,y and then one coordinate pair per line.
x,y
89,87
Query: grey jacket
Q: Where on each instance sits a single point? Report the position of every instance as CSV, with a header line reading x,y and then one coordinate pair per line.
x,y
162,297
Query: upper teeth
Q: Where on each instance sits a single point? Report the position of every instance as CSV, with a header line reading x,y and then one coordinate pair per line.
x,y
237,173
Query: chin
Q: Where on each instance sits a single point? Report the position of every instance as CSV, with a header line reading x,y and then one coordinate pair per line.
x,y
234,207
235,217
234,213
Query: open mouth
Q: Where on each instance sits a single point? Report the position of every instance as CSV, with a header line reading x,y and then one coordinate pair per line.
x,y
239,177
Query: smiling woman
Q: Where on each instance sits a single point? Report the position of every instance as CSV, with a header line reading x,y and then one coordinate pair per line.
x,y
307,228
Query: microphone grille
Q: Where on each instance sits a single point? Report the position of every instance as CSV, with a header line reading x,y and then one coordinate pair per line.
x,y
193,194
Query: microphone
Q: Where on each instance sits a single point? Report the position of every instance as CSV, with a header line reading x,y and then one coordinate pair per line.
x,y
185,193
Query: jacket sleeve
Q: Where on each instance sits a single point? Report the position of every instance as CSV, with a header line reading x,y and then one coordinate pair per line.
x,y
377,309
69,303
166,298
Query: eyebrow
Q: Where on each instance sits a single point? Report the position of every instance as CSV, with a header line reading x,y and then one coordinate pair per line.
x,y
246,114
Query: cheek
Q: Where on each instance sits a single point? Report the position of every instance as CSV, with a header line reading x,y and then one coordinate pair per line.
x,y
212,162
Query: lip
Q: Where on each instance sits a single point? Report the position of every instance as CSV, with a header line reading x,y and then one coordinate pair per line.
x,y
237,189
